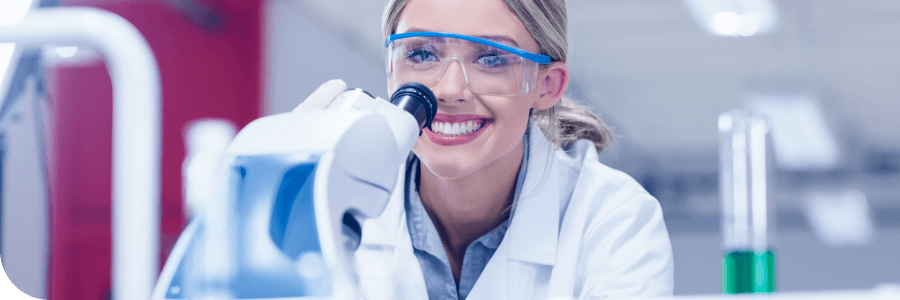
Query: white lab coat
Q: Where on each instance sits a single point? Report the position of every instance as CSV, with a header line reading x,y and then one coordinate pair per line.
x,y
581,230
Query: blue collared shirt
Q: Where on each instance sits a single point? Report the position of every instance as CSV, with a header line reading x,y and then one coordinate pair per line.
x,y
429,249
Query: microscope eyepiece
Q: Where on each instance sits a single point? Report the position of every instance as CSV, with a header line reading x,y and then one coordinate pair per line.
x,y
418,100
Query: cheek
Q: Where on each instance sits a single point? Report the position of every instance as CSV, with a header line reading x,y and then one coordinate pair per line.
x,y
516,113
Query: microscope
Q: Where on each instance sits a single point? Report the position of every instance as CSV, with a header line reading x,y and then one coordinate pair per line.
x,y
284,210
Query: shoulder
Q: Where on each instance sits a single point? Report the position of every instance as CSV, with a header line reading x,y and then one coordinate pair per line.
x,y
614,228
591,183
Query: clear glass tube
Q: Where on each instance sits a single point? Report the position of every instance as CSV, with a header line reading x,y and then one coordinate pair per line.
x,y
749,261
211,263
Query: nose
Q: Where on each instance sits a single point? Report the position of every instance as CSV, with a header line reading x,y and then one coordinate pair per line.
x,y
452,88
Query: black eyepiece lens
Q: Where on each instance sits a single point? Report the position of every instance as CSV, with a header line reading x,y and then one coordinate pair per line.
x,y
418,100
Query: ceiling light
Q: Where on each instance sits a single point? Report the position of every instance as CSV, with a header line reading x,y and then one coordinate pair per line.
x,y
734,17
840,218
66,51
800,136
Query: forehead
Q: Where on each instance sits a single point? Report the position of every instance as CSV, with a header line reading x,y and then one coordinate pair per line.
x,y
470,17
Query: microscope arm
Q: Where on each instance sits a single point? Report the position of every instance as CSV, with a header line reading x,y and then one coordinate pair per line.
x,y
362,143
294,181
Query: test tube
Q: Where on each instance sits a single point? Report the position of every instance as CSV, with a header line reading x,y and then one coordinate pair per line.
x,y
211,263
749,261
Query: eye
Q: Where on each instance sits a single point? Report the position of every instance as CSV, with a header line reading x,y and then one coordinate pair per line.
x,y
420,55
492,59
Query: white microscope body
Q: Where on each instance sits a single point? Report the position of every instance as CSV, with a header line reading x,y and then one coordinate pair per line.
x,y
303,179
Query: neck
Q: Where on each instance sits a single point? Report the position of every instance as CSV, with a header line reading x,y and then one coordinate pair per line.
x,y
464,209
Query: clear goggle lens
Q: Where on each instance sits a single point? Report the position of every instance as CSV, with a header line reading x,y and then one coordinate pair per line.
x,y
487,70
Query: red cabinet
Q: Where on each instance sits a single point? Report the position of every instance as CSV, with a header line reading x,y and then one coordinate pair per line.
x,y
210,60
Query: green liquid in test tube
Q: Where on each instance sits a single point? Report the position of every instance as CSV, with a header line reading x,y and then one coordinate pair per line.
x,y
749,272
748,264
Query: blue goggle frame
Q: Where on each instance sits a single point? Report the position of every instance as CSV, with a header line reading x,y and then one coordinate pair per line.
x,y
538,58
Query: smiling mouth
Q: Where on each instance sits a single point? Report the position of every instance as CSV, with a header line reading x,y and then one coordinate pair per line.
x,y
457,129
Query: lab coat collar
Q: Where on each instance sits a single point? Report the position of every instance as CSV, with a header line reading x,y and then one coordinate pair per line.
x,y
534,230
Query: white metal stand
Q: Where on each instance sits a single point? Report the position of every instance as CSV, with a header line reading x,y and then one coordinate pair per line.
x,y
136,131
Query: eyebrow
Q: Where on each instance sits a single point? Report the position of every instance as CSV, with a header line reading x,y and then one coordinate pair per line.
x,y
499,38
495,38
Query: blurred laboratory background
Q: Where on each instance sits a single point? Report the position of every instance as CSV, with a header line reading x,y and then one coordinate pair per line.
x,y
826,74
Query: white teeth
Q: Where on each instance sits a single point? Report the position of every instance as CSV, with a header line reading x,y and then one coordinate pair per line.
x,y
455,129
446,129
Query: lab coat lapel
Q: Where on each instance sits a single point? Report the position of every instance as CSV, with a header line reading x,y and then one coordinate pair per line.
x,y
521,266
534,231
506,278
387,266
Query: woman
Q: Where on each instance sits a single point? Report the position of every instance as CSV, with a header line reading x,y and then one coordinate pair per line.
x,y
503,198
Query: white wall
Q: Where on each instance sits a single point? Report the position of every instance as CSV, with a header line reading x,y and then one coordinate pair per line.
x,y
301,54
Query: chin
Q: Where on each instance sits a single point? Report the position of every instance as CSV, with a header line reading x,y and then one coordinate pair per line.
x,y
448,167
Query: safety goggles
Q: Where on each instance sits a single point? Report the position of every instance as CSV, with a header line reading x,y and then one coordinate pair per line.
x,y
489,67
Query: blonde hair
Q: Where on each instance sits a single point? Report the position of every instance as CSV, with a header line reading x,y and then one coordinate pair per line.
x,y
546,20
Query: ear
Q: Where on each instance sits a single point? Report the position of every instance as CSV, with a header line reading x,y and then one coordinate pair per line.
x,y
552,83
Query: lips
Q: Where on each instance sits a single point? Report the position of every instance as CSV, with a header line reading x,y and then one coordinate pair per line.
x,y
450,130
